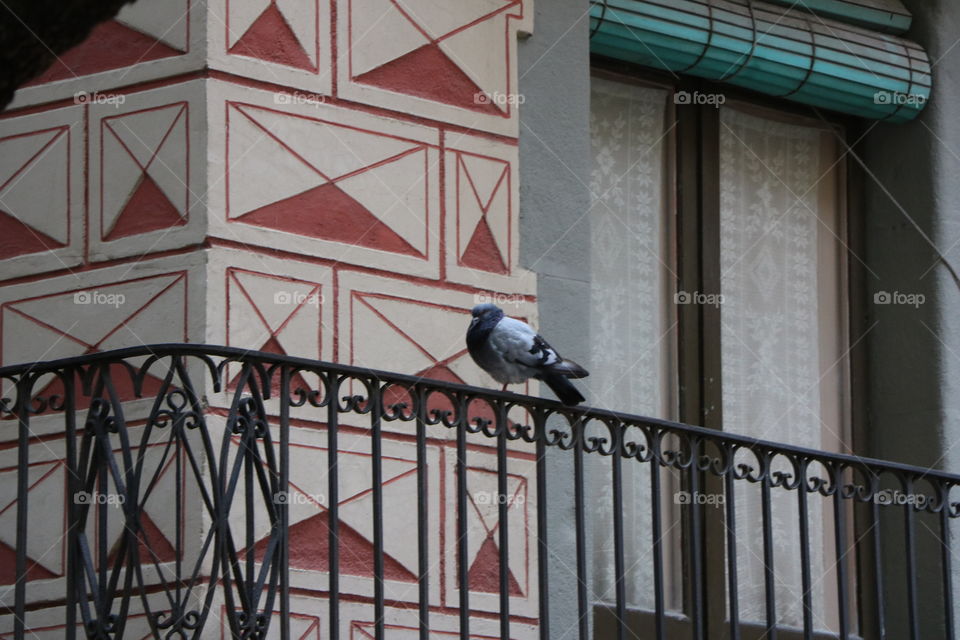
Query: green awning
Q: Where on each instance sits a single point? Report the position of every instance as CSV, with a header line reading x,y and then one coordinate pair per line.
x,y
882,15
769,49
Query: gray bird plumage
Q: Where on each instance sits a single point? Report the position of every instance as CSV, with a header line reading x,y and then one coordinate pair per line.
x,y
512,352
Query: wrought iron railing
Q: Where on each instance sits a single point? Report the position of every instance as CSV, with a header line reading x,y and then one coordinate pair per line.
x,y
214,492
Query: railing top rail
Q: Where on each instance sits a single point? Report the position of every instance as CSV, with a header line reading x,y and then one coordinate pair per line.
x,y
164,350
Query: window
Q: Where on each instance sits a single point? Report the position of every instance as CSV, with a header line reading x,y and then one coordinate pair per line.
x,y
634,328
720,295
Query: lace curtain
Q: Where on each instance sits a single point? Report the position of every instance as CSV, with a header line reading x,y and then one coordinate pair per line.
x,y
631,323
783,359
781,337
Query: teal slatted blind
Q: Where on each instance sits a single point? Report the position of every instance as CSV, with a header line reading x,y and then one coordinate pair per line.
x,y
760,46
882,15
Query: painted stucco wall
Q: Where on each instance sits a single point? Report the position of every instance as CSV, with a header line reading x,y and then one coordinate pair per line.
x,y
555,237
337,180
914,351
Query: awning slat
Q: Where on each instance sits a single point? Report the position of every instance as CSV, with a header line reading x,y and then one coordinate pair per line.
x,y
765,48
882,15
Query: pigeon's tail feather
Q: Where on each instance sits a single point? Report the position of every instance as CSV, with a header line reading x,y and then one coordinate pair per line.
x,y
564,389
569,369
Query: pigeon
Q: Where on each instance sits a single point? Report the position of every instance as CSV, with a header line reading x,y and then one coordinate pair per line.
x,y
511,351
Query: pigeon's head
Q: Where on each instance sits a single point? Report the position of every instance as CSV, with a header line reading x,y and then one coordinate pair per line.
x,y
486,311
483,310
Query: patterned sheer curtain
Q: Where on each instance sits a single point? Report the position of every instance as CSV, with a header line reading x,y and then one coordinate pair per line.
x,y
783,342
632,327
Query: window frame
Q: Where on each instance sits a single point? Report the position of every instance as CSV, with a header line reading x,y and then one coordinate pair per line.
x,y
694,159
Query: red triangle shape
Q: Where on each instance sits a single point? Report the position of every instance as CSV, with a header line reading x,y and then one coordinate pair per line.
x,y
428,72
441,372
110,45
8,567
271,38
329,212
17,238
309,549
153,545
397,394
148,209
482,251
272,345
438,401
484,574
122,384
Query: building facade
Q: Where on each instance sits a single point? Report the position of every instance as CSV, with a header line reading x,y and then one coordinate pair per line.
x,y
342,181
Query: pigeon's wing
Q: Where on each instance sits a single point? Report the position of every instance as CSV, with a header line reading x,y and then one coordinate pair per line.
x,y
519,344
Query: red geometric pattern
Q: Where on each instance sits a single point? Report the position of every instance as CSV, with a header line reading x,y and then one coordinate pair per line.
x,y
309,537
279,31
389,324
35,191
484,528
46,555
312,552
144,171
432,349
303,626
158,515
98,318
137,35
484,572
483,212
275,314
41,625
367,631
327,180
84,320
48,500
422,48
309,513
